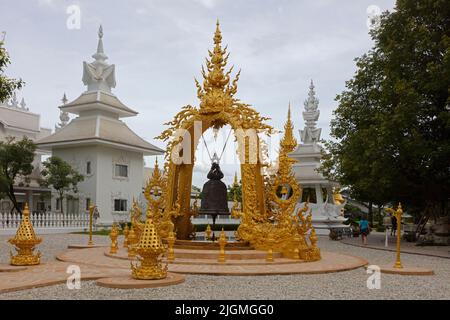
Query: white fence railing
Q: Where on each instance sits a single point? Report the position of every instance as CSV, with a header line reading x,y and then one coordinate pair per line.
x,y
52,222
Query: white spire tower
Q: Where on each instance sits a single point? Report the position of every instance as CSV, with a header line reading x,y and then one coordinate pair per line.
x,y
99,75
310,134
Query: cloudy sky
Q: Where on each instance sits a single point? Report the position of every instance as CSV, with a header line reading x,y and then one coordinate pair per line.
x,y
158,47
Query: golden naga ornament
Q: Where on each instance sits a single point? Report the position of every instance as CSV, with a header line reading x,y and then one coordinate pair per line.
x,y
113,235
132,240
126,231
135,215
25,241
155,194
149,249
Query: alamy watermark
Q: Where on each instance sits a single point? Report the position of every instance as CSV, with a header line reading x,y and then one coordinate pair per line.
x,y
73,21
74,280
374,280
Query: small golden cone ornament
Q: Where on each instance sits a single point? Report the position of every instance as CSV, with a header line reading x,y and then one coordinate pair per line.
x,y
114,234
208,232
269,256
222,244
25,241
171,241
126,231
150,248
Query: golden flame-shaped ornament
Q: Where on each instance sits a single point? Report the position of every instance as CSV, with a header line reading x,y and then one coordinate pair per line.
x,y
150,248
25,241
126,231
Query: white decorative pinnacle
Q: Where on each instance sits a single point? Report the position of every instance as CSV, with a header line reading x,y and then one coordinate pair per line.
x,y
63,115
14,102
64,99
23,104
310,134
99,75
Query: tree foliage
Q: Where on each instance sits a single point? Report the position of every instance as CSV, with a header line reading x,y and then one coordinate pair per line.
x,y
60,175
7,85
391,129
16,158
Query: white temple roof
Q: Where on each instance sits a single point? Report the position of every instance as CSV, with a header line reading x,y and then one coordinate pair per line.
x,y
98,113
98,100
98,130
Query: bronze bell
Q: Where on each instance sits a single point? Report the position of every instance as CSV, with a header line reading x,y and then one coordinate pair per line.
x,y
214,194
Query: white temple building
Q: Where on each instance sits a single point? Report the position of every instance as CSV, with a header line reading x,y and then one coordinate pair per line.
x,y
317,189
99,145
16,120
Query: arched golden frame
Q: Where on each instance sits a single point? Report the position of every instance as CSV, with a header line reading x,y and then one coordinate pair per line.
x,y
218,107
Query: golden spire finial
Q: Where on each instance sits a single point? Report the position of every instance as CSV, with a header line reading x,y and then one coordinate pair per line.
x,y
235,182
288,142
216,94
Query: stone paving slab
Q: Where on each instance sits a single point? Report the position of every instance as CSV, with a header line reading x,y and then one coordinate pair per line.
x,y
10,268
130,283
376,240
330,262
50,274
407,271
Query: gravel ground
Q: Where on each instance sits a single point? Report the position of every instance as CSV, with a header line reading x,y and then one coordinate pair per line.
x,y
342,285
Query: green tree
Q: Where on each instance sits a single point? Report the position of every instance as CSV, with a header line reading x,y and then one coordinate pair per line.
x,y
60,175
392,126
16,158
235,190
7,85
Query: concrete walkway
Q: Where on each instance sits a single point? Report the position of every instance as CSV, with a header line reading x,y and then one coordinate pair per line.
x,y
376,240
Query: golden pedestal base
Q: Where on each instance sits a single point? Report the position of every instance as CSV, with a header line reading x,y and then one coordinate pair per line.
x,y
148,272
25,259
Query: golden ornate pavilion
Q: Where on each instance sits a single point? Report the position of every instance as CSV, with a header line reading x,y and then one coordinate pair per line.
x,y
267,213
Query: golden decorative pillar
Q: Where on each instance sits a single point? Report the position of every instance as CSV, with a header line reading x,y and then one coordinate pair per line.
x,y
270,243
171,241
25,241
126,231
150,248
398,215
113,235
222,244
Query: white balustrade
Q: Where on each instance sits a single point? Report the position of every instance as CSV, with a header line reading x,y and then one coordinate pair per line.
x,y
46,221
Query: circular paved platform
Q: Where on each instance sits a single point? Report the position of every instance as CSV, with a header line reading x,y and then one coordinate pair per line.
x,y
10,268
130,283
203,254
407,271
84,246
330,262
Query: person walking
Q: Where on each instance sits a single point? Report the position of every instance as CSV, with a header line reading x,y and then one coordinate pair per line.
x,y
364,229
394,225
